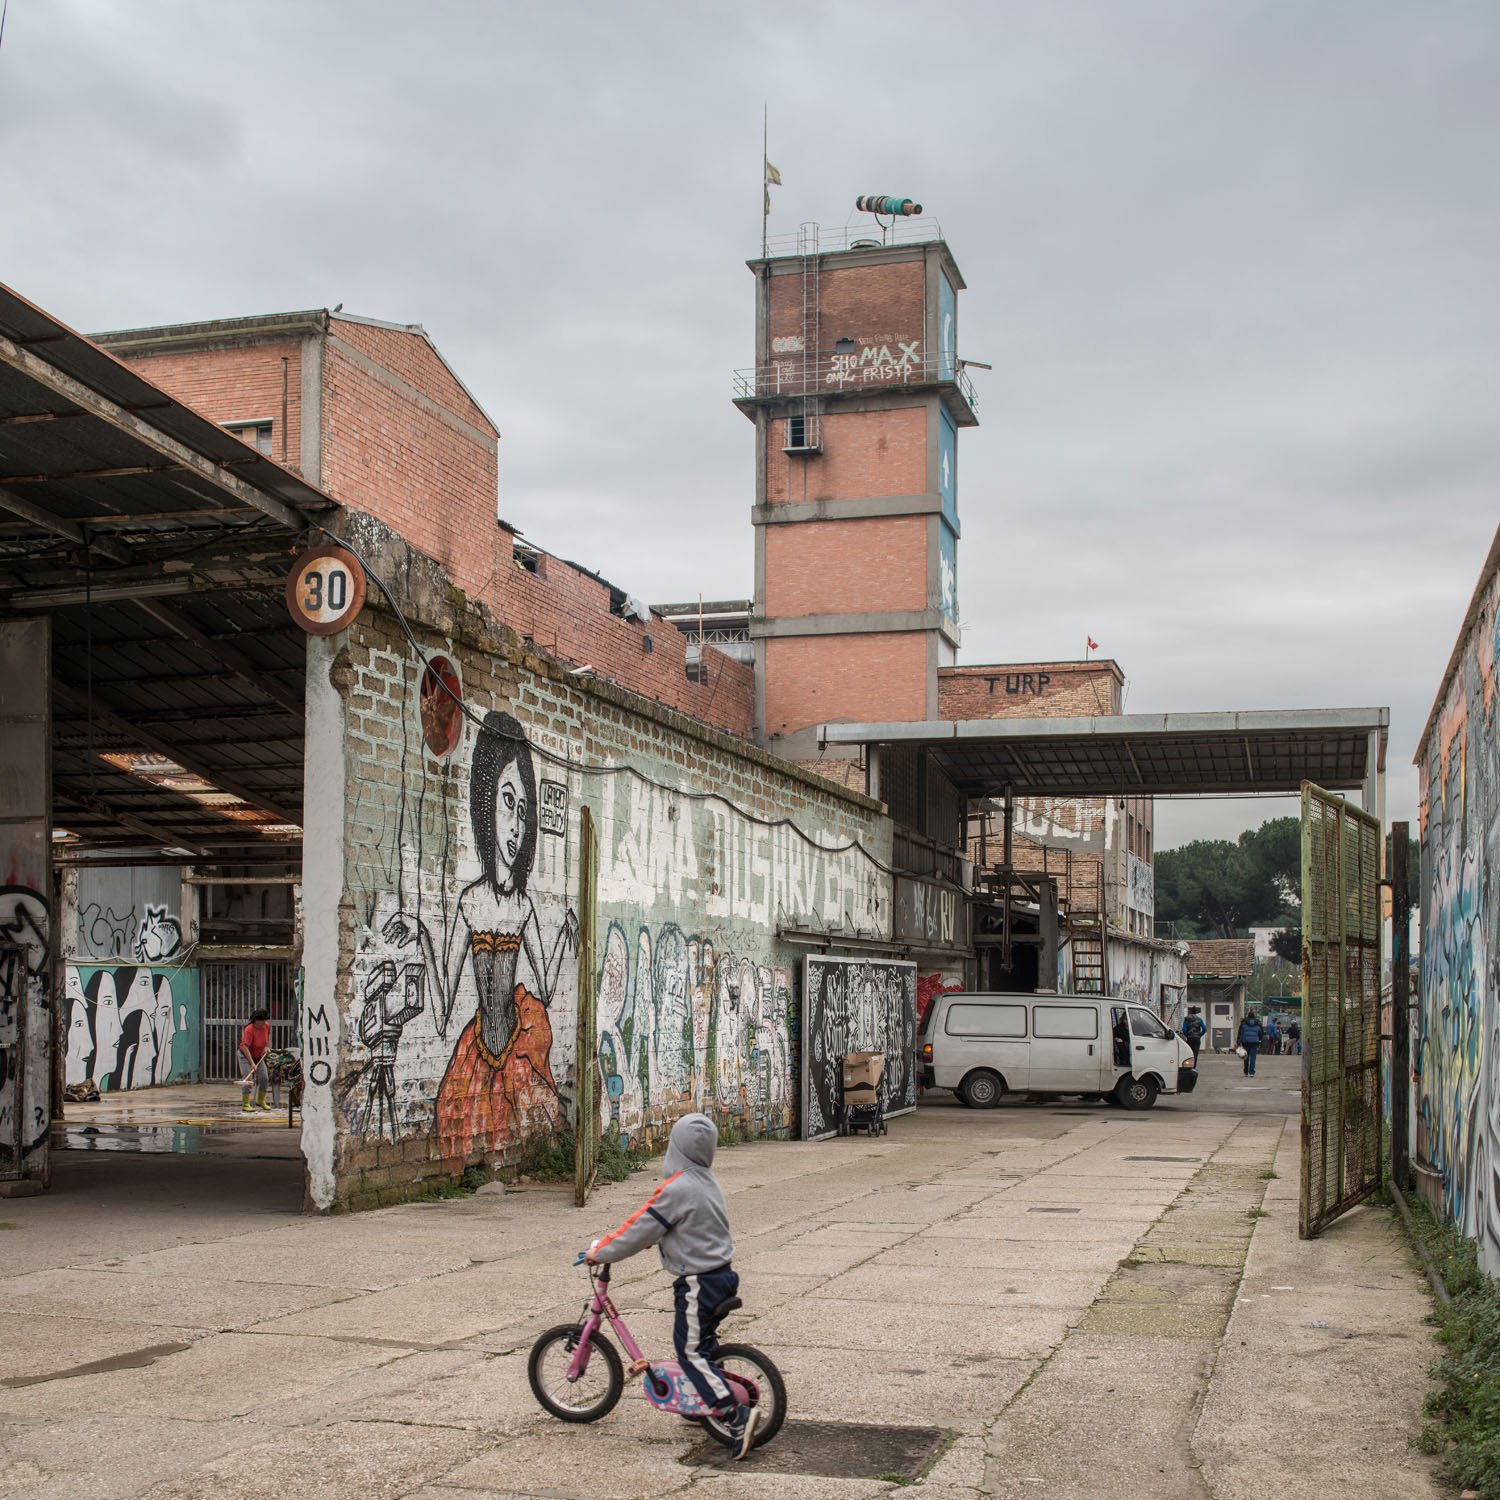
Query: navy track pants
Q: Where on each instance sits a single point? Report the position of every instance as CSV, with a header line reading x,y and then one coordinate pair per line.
x,y
695,1332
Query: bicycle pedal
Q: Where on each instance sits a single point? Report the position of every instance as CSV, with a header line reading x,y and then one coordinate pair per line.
x,y
639,1366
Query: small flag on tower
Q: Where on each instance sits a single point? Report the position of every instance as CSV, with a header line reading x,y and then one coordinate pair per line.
x,y
772,175
1093,644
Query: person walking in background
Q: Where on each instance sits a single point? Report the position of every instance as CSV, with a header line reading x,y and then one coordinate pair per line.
x,y
1293,1036
1192,1030
1273,1037
1251,1036
255,1040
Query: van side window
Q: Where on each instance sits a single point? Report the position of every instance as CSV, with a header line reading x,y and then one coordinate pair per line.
x,y
1079,1021
1143,1023
986,1020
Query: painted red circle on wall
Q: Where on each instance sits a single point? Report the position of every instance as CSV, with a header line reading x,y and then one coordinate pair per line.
x,y
441,707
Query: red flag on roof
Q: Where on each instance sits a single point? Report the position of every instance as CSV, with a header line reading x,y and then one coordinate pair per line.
x,y
1093,644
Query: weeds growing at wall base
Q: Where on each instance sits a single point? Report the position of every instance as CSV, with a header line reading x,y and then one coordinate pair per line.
x,y
1464,1412
552,1159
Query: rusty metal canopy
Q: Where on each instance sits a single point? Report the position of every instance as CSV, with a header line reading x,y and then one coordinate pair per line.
x,y
1153,755
158,544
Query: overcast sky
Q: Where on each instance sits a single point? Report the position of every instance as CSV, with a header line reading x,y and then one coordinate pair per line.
x,y
1235,266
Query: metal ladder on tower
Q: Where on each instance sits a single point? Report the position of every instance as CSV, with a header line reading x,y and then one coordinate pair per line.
x,y
810,406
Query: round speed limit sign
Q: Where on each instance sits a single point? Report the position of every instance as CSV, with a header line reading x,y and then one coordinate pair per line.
x,y
326,590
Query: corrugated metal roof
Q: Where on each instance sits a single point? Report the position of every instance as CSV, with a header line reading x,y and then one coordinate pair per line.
x,y
1144,754
158,544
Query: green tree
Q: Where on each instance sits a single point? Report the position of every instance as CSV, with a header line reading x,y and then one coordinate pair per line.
x,y
1214,888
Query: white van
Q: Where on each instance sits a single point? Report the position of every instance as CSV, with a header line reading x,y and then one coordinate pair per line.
x,y
985,1046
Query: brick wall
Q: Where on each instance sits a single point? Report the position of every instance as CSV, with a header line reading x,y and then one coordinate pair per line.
x,y
567,613
846,567
392,447
454,1025
1074,839
874,305
1030,690
415,361
818,679
236,385
866,453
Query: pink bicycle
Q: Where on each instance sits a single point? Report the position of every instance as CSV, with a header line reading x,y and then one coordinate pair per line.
x,y
577,1375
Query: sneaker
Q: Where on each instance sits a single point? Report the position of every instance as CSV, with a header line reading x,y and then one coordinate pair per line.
x,y
742,1427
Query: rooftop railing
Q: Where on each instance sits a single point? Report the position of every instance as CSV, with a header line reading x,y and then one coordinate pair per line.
x,y
863,234
870,369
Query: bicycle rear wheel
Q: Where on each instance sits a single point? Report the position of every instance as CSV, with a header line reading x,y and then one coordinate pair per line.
x,y
593,1394
764,1379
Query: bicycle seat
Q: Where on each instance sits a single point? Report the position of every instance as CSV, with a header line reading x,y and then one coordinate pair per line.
x,y
726,1307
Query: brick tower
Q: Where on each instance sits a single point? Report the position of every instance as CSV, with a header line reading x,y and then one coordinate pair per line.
x,y
857,396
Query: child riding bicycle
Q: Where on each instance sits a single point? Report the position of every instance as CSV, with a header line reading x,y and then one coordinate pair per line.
x,y
685,1218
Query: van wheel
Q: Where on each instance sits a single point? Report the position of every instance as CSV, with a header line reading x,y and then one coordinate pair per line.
x,y
981,1089
1136,1093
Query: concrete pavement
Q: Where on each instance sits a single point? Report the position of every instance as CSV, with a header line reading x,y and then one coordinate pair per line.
x,y
1080,1298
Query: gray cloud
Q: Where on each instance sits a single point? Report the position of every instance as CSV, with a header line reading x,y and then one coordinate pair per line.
x,y
1233,266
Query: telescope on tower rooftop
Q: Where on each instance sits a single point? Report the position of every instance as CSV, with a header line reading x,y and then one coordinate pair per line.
x,y
887,206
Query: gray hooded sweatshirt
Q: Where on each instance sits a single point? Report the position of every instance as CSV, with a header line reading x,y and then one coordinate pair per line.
x,y
685,1217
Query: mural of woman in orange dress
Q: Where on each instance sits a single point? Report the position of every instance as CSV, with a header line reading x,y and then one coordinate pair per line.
x,y
498,1089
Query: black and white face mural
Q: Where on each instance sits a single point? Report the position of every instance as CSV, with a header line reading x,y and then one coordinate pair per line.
x,y
126,1028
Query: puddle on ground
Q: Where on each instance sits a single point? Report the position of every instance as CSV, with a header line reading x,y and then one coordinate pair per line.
x,y
182,1140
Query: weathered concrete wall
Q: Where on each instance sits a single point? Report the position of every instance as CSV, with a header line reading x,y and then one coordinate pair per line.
x,y
123,914
1458,1054
26,944
440,1029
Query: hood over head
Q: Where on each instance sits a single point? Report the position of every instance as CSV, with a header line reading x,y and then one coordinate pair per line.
x,y
693,1141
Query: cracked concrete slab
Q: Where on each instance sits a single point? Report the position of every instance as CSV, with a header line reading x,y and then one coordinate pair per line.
x,y
902,1281
342,1461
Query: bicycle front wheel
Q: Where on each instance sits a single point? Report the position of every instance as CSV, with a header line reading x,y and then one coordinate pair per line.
x,y
593,1394
766,1385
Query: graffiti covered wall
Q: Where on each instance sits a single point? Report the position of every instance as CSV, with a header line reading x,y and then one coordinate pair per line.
x,y
857,1005
1458,1051
451,1036
26,939
125,915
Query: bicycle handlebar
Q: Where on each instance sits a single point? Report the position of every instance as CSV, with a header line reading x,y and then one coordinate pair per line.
x,y
597,1269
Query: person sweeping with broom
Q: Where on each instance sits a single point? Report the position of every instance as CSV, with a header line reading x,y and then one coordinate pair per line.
x,y
255,1040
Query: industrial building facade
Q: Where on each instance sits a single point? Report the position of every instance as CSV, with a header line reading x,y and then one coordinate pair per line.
x,y
510,834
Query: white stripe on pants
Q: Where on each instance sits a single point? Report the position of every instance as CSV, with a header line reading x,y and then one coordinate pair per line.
x,y
722,1393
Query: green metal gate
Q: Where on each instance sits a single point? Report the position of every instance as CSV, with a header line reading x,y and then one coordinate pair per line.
x,y
586,1121
1341,1104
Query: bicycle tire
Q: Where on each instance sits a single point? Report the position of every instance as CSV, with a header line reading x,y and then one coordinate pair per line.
x,y
567,1335
768,1378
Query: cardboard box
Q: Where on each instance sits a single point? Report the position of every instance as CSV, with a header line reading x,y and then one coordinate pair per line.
x,y
863,1070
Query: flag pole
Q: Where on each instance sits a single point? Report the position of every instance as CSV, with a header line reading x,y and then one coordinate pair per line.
x,y
765,188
